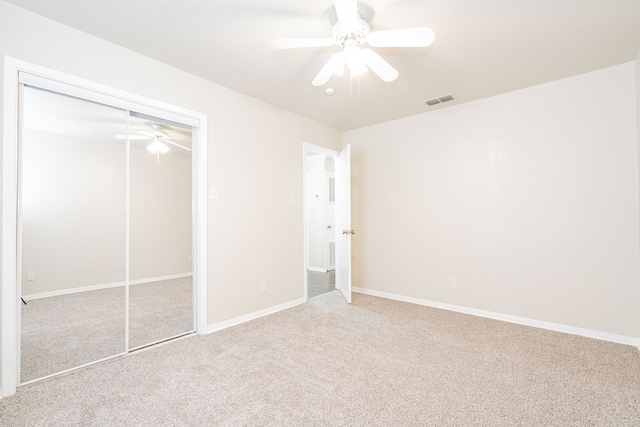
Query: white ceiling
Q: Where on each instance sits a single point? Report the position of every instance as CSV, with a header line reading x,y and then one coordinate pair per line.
x,y
482,47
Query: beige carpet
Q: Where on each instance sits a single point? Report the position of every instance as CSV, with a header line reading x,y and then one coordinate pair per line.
x,y
374,363
67,331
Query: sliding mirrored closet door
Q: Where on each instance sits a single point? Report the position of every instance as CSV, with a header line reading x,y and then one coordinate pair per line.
x,y
72,220
105,232
160,217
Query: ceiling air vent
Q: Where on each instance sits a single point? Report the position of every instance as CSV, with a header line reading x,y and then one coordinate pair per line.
x,y
436,101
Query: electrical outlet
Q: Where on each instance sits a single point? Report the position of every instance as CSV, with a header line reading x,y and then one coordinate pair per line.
x,y
263,286
454,283
190,258
31,276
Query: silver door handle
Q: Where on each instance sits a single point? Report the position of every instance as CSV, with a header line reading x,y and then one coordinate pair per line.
x,y
348,231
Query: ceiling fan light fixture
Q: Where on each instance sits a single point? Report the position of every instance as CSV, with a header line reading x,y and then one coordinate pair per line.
x,y
337,63
357,68
158,147
356,62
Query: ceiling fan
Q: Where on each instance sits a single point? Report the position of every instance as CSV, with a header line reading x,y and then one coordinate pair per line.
x,y
352,33
159,136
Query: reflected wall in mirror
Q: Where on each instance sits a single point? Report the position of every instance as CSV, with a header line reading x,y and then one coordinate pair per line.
x,y
160,212
72,233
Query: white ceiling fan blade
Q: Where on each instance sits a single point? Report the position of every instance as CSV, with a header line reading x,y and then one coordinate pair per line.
x,y
335,65
379,66
338,62
347,11
131,137
302,42
168,141
407,37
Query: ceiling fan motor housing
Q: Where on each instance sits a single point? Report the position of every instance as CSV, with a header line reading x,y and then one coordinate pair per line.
x,y
352,36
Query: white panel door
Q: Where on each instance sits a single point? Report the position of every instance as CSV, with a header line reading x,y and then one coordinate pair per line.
x,y
343,222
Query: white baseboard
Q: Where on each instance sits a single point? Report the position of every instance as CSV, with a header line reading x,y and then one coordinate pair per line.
x,y
103,286
251,316
158,279
557,327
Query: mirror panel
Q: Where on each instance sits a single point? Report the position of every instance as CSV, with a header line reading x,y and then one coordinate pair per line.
x,y
160,218
72,232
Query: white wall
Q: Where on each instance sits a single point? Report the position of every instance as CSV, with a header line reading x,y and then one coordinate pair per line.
x,y
160,214
529,199
255,153
73,212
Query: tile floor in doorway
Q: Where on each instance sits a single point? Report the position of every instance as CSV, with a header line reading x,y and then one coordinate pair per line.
x,y
319,283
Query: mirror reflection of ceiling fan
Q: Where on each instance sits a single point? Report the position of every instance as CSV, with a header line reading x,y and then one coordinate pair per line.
x,y
352,33
160,139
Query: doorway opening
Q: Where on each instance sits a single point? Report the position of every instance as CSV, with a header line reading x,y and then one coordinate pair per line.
x,y
327,221
320,223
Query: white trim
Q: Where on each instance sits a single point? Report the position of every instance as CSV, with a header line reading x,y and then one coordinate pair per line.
x,y
127,230
102,286
73,86
9,361
10,300
252,316
94,362
328,152
199,233
163,340
557,327
159,278
318,269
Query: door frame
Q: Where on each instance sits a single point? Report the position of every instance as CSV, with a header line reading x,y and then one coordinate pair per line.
x,y
10,352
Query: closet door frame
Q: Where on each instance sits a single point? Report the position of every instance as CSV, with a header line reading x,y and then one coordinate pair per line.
x,y
84,89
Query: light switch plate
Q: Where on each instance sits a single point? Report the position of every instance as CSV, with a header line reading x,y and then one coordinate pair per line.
x,y
213,193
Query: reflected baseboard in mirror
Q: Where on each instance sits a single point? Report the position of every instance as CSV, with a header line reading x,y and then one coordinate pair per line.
x,y
66,331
